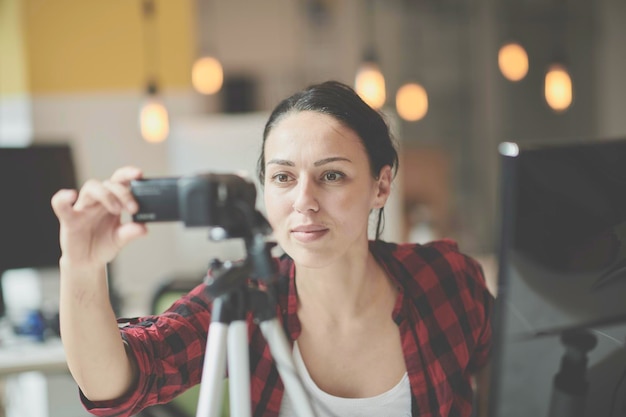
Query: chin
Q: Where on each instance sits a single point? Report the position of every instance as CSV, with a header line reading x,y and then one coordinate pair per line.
x,y
308,257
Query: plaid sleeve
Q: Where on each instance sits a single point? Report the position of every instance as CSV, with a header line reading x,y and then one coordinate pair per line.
x,y
447,308
466,302
483,301
169,351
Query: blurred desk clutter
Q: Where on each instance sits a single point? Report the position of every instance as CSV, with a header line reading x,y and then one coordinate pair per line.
x,y
34,377
25,355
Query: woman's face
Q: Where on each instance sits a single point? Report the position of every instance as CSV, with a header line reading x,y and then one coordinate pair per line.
x,y
319,189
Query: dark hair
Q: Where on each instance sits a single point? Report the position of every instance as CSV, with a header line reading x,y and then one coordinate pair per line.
x,y
344,104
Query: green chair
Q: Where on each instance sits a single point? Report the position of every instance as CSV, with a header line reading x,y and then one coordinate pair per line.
x,y
186,403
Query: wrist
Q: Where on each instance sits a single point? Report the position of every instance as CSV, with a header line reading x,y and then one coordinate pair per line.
x,y
73,267
83,286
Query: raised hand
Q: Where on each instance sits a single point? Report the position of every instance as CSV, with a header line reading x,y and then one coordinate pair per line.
x,y
91,228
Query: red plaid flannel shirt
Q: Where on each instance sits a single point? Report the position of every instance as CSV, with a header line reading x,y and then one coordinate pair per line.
x,y
443,312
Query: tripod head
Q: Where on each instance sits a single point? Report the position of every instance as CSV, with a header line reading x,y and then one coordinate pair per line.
x,y
223,202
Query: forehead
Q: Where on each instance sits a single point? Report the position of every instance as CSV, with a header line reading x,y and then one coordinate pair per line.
x,y
312,133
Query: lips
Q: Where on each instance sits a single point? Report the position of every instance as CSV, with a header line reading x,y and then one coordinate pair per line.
x,y
309,233
311,228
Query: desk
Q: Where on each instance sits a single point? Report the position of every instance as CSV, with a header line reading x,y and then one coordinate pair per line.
x,y
36,381
45,357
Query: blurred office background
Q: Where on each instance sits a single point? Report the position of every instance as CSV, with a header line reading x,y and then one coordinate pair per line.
x,y
79,72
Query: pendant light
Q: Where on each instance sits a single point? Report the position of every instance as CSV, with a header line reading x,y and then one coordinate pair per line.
x,y
513,61
558,86
153,115
412,102
153,118
207,74
411,97
558,89
512,56
369,82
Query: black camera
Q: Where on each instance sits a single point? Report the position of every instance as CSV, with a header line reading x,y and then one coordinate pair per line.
x,y
224,201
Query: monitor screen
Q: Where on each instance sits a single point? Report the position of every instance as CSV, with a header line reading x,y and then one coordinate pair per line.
x,y
29,229
562,274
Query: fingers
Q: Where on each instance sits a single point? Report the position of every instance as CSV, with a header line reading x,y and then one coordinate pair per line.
x,y
91,225
62,202
113,194
123,195
126,174
130,231
96,193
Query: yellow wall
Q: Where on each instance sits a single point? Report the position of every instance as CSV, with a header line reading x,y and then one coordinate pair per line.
x,y
87,45
13,76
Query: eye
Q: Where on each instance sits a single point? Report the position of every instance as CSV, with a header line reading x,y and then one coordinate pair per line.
x,y
280,177
333,176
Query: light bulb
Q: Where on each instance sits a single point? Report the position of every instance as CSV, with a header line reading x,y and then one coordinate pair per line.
x,y
513,61
370,84
207,75
412,102
558,88
154,120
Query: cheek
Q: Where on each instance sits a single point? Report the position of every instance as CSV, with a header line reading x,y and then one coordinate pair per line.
x,y
276,207
354,201
356,209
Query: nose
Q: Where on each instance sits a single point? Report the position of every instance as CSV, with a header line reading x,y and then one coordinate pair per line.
x,y
305,196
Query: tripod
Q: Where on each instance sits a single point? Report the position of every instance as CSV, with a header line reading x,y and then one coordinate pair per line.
x,y
228,336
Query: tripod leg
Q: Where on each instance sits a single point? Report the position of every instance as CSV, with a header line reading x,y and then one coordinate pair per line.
x,y
281,351
239,369
213,370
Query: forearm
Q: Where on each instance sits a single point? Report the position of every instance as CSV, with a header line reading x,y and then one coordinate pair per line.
x,y
94,349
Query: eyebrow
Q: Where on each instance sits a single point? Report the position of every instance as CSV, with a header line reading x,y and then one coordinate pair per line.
x,y
317,163
329,160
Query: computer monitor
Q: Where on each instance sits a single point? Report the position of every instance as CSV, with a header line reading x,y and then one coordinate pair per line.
x,y
562,273
29,229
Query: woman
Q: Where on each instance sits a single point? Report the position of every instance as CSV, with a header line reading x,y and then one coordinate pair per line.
x,y
393,330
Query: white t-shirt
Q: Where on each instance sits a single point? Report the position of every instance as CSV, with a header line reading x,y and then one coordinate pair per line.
x,y
394,403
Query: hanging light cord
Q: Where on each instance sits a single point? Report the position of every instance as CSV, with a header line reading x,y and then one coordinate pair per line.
x,y
206,28
370,33
150,45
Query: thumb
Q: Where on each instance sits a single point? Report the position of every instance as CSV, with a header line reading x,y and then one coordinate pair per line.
x,y
128,232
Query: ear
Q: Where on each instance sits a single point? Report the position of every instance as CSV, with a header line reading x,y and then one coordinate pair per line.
x,y
383,187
